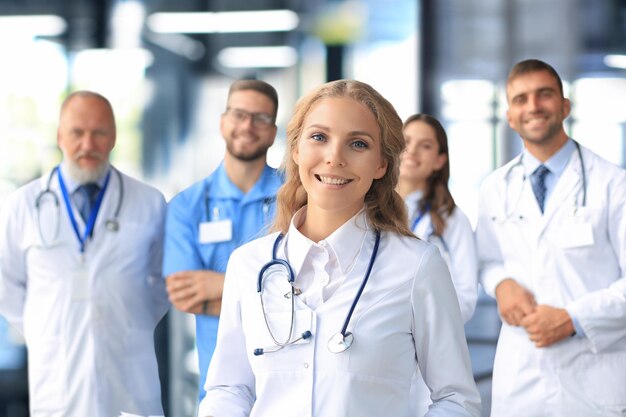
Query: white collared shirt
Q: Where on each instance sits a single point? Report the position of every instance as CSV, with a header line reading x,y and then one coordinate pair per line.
x,y
318,266
407,313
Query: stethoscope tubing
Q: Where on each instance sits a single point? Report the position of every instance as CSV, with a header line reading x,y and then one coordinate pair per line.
x,y
583,175
111,224
343,334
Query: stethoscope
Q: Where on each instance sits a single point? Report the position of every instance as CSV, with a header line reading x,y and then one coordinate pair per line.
x,y
339,342
509,210
111,224
431,236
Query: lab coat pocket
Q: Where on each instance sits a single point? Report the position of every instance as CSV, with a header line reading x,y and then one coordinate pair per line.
x,y
258,337
46,375
603,379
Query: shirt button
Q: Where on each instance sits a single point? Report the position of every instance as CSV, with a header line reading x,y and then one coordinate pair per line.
x,y
306,365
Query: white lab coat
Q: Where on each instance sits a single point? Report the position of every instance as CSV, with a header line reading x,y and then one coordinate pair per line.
x,y
458,248
403,317
577,262
90,347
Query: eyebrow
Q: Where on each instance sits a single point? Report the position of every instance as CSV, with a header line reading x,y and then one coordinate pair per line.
x,y
536,90
352,133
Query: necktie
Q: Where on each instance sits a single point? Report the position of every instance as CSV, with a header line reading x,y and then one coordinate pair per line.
x,y
89,194
538,181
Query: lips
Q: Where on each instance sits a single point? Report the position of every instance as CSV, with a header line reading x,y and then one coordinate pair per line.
x,y
332,180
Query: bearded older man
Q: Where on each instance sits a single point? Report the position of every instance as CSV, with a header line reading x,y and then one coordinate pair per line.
x,y
80,274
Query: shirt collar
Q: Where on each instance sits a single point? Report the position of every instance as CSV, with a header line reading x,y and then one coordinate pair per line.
x,y
222,187
345,243
414,197
556,163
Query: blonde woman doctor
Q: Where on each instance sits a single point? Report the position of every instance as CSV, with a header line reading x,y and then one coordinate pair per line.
x,y
551,237
367,300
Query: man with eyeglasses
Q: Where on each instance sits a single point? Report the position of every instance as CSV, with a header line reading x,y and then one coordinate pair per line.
x,y
206,222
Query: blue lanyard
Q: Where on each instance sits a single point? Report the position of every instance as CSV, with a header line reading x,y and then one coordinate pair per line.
x,y
92,216
419,217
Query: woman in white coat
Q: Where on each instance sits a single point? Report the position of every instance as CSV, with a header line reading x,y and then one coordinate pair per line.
x,y
330,315
434,217
558,272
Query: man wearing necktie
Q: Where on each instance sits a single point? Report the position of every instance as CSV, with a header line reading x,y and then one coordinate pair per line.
x,y
87,304
557,268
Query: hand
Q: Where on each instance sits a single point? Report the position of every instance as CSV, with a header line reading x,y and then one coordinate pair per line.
x,y
548,325
196,292
514,301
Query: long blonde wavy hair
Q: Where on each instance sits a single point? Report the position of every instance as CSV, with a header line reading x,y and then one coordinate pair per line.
x,y
385,209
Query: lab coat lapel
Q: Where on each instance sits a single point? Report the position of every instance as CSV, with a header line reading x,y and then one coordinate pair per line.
x,y
565,192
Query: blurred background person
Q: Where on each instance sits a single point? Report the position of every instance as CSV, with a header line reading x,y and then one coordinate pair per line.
x,y
211,218
551,240
80,263
435,218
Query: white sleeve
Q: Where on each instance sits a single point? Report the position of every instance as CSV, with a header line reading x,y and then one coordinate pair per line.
x,y
230,382
12,262
459,237
602,313
440,343
490,261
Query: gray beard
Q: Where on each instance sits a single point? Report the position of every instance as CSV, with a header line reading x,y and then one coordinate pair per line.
x,y
84,176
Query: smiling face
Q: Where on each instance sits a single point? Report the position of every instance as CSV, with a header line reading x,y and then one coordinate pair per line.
x,y
537,109
339,156
247,139
422,156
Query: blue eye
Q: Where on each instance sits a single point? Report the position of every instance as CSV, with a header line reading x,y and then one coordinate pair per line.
x,y
360,144
318,137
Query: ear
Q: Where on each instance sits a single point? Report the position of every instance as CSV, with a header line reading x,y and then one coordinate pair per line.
x,y
567,107
381,170
295,155
508,118
441,161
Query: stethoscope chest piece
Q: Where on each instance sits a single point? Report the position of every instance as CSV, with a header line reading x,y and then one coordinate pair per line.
x,y
112,225
339,343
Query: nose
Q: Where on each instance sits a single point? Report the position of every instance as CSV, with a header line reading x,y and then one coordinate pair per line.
x,y
335,156
533,102
88,142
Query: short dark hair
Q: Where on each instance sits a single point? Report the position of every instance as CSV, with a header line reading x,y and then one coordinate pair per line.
x,y
533,65
258,86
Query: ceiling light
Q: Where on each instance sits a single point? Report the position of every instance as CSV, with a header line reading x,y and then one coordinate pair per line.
x,y
34,25
224,22
258,57
615,61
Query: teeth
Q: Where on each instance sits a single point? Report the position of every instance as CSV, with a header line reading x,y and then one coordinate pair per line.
x,y
333,181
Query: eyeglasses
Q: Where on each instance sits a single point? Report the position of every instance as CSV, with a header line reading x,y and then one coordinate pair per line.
x,y
260,120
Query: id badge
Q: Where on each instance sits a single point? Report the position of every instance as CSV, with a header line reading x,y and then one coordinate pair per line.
x,y
217,231
80,283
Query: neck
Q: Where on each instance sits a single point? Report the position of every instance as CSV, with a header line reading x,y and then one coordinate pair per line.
x,y
320,223
545,149
244,174
406,187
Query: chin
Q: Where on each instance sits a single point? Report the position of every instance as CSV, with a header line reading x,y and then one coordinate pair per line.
x,y
84,175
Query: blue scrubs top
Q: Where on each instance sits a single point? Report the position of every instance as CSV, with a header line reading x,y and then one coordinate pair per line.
x,y
215,196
